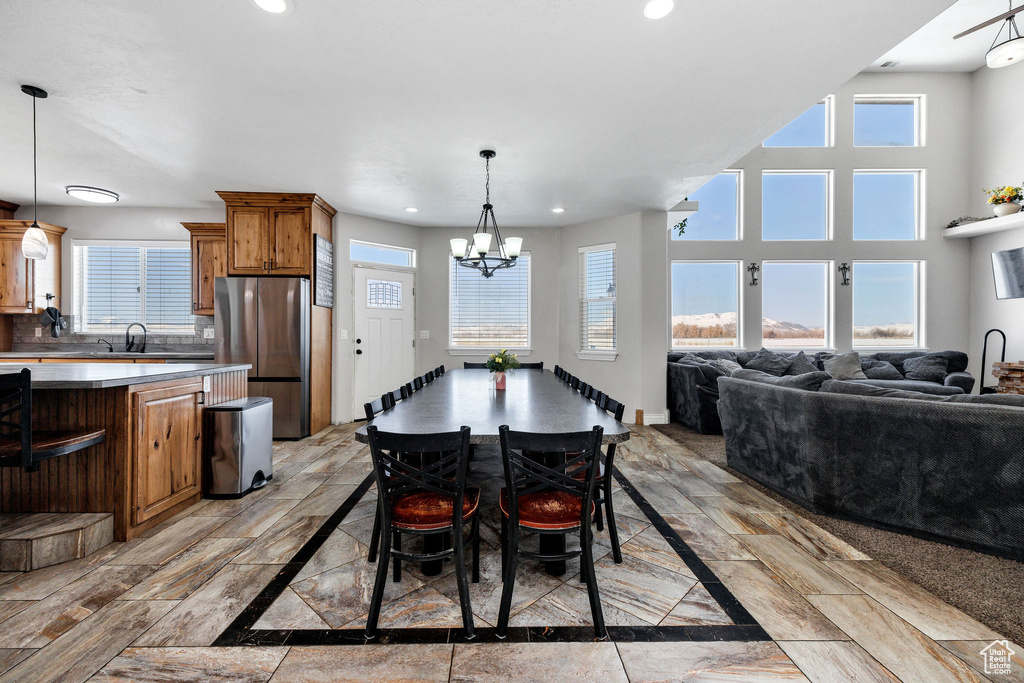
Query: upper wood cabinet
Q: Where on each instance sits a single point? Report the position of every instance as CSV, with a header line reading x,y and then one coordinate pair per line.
x,y
24,283
271,233
209,261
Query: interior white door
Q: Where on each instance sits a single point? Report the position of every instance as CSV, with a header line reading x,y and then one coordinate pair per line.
x,y
383,327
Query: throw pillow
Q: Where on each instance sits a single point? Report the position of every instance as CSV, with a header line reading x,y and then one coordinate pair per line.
x,y
844,366
856,389
728,365
926,368
880,369
770,362
808,381
800,364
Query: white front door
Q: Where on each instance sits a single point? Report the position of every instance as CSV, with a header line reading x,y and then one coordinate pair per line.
x,y
383,327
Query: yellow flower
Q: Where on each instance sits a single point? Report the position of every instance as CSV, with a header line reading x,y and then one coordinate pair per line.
x,y
499,361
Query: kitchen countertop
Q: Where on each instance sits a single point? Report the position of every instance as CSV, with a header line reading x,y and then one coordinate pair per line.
x,y
105,375
161,355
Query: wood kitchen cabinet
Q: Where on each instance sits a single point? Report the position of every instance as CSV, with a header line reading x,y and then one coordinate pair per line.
x,y
209,261
271,233
24,283
168,443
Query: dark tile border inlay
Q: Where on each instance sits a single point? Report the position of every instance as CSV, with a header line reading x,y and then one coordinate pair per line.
x,y
241,632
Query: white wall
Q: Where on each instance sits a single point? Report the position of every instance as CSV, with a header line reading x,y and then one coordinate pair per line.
x,y
998,101
944,158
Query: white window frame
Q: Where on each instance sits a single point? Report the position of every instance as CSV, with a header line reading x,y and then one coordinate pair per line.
x,y
920,266
829,201
830,307
830,126
603,354
79,305
919,200
740,270
381,245
483,350
919,117
740,191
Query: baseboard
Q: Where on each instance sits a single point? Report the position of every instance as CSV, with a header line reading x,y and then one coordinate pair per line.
x,y
656,418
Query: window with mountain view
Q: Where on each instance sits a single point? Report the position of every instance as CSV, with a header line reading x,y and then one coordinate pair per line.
x,y
795,304
813,128
705,303
885,303
718,215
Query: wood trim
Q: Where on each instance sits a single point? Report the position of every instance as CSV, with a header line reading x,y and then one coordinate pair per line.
x,y
234,198
7,209
211,229
19,227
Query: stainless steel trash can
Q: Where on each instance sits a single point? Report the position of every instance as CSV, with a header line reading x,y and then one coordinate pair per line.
x,y
239,446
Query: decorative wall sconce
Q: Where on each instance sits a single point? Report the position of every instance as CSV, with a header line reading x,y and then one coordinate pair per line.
x,y
753,269
844,270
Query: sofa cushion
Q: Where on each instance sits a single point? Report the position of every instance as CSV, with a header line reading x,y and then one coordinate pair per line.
x,y
911,385
930,368
836,386
800,364
727,366
879,369
957,359
809,381
770,362
844,366
991,399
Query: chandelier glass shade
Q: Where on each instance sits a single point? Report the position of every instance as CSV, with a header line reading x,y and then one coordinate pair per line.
x,y
1008,52
476,252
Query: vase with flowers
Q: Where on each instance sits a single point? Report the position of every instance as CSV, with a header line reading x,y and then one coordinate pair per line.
x,y
1005,200
499,363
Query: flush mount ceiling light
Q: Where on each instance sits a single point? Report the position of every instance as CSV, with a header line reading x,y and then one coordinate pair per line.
x,y
473,254
34,243
656,9
411,209
274,6
92,194
557,209
1009,51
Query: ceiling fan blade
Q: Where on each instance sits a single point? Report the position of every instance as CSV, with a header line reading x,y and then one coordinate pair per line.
x,y
993,20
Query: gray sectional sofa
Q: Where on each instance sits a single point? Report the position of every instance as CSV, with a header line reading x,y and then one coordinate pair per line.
x,y
693,380
945,468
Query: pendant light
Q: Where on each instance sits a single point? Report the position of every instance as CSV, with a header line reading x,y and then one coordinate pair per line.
x,y
473,253
1011,50
34,244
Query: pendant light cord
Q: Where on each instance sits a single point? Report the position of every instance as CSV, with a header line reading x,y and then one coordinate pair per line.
x,y
487,185
35,181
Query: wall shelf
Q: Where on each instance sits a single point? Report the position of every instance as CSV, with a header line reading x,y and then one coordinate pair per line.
x,y
985,227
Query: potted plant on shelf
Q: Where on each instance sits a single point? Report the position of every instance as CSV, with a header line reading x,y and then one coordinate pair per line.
x,y
1005,200
500,363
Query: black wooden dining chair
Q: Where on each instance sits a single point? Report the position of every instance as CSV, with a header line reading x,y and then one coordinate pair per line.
x,y
424,495
532,366
375,407
603,480
550,497
417,383
428,377
439,370
409,390
20,444
474,366
584,389
558,371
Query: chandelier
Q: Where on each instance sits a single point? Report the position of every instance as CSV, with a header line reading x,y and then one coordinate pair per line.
x,y
474,253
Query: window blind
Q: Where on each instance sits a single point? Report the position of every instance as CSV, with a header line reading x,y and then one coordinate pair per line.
x,y
118,285
491,312
597,300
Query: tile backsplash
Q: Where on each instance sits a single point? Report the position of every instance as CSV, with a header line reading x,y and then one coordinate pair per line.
x,y
25,339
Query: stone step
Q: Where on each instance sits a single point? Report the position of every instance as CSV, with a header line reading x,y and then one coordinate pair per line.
x,y
39,539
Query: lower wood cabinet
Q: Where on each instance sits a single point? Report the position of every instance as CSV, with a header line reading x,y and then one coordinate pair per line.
x,y
168,448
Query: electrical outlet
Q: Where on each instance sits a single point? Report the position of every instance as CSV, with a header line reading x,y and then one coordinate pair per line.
x,y
424,334
39,332
343,334
208,333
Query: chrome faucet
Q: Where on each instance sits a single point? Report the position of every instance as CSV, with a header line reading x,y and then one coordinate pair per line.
x,y
129,343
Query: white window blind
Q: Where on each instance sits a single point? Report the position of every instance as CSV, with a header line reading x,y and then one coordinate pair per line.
x,y
115,285
491,312
597,298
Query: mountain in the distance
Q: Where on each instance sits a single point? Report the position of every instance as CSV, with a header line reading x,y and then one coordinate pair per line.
x,y
729,318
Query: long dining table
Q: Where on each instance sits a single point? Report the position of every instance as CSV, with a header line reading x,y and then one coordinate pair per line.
x,y
533,401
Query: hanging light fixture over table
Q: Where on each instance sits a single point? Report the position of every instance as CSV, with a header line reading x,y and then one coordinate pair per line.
x,y
34,243
1011,50
473,253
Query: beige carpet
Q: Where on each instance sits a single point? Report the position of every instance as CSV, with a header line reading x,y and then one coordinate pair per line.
x,y
990,589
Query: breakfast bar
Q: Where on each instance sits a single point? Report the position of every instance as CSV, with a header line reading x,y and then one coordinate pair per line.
x,y
149,466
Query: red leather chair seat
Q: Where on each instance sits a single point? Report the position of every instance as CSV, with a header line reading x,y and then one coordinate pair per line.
x,y
546,509
425,510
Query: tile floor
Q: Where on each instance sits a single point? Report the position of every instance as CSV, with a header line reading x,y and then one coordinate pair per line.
x,y
152,609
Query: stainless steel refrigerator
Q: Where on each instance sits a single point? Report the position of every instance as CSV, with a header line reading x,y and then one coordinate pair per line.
x,y
264,321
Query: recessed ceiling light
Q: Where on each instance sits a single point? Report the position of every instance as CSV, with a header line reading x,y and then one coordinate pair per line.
x,y
273,6
557,209
411,209
92,194
656,9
